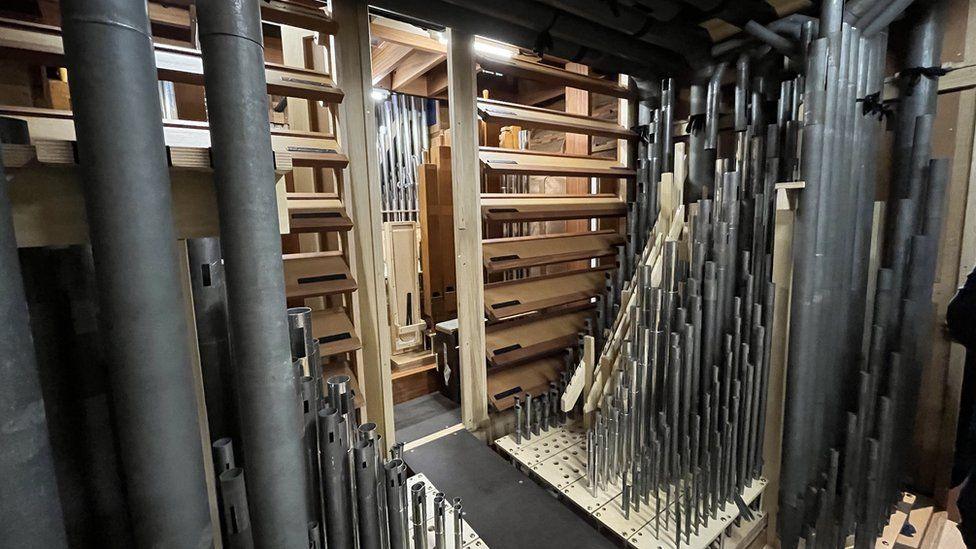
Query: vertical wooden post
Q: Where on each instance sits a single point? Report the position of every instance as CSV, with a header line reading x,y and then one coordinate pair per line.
x,y
466,191
357,136
589,369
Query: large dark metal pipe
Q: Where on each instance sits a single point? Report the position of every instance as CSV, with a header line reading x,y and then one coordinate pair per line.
x,y
30,505
129,208
210,312
237,102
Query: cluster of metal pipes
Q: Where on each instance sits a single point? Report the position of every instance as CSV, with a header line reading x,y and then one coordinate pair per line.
x,y
353,496
402,140
681,424
855,358
542,412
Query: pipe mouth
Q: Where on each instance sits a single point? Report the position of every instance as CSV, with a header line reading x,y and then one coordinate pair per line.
x,y
418,488
222,442
299,310
393,464
340,379
231,474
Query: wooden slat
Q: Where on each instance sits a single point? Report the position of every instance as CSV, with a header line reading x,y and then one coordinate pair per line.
x,y
317,214
502,254
413,67
385,59
516,297
548,74
42,43
295,14
393,35
513,343
501,112
305,149
551,207
533,378
521,162
317,274
334,332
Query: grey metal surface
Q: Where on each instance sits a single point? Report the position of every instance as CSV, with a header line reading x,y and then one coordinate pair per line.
x,y
496,496
271,433
29,500
424,416
129,209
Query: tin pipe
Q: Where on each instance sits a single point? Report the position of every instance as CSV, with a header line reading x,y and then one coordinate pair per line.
x,y
364,459
334,464
129,211
236,520
396,503
233,62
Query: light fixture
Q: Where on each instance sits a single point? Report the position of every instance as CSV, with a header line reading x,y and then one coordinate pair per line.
x,y
379,94
493,50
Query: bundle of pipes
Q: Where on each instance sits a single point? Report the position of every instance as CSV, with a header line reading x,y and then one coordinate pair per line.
x,y
354,497
403,139
854,362
681,422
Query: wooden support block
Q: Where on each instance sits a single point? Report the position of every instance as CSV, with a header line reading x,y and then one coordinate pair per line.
x,y
400,249
334,332
317,274
533,378
498,161
516,297
42,44
513,114
501,254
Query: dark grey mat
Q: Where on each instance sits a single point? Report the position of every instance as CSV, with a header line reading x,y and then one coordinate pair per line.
x,y
507,509
423,416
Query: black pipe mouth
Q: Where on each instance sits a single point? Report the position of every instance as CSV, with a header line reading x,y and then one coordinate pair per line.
x,y
231,474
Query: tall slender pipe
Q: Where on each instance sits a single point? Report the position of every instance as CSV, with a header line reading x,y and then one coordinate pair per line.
x,y
237,101
114,92
30,504
210,312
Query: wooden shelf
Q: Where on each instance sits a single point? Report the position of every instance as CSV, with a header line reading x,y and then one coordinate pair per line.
x,y
502,254
512,207
304,15
498,161
317,214
501,112
516,297
305,149
412,363
554,75
533,377
42,44
317,274
334,332
516,342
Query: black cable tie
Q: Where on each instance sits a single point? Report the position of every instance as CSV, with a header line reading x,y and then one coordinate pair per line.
x,y
696,123
872,105
913,75
544,41
643,132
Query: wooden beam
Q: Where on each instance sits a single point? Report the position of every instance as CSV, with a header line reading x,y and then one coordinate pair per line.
x,y
414,66
466,193
363,199
524,68
386,33
294,14
385,58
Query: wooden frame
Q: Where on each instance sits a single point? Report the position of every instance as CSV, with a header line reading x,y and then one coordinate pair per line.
x,y
497,161
363,199
467,228
516,297
504,113
501,254
403,285
43,44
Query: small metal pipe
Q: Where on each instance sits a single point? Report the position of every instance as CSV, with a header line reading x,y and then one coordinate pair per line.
x,y
418,515
396,504
236,520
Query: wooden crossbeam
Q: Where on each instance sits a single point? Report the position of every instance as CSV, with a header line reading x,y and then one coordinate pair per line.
x,y
523,162
297,14
517,297
551,207
520,252
417,64
516,342
42,44
501,112
548,74
305,149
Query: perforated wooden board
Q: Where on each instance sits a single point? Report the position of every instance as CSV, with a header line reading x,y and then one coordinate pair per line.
x,y
558,457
